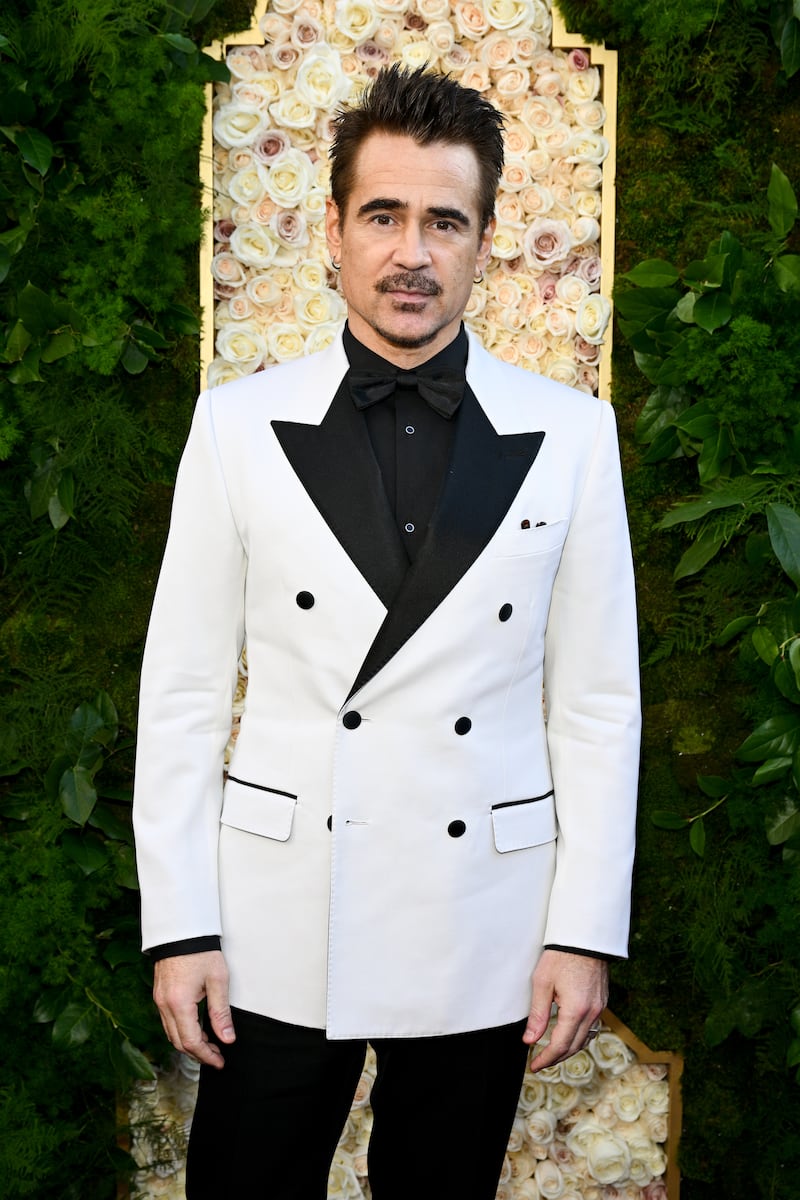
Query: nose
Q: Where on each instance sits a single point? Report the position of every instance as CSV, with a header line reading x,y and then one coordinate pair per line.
x,y
411,251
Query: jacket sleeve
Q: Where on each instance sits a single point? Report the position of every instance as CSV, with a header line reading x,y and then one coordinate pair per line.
x,y
188,679
593,712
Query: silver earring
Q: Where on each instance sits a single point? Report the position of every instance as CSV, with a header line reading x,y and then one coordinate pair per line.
x,y
479,279
336,266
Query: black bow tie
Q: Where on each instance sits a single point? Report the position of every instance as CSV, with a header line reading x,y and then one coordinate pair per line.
x,y
443,389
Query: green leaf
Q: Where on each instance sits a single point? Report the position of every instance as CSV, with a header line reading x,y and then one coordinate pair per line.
x,y
699,553
793,1053
684,309
698,421
178,42
663,819
775,738
36,149
713,310
213,70
666,444
66,492
119,953
5,262
129,1062
708,272
104,706
73,1026
714,454
147,337
36,310
784,532
660,411
772,769
765,644
181,319
125,866
783,825
103,817
653,273
697,837
790,46
784,680
43,485
77,794
786,270
794,1019
794,658
86,726
713,786
693,510
27,371
56,512
641,306
133,359
59,346
89,852
17,342
782,210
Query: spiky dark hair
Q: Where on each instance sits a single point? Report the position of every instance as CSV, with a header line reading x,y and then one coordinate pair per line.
x,y
429,108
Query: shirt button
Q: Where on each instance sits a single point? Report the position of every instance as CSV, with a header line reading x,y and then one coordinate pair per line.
x,y
456,829
505,612
305,600
463,725
409,428
351,720
409,528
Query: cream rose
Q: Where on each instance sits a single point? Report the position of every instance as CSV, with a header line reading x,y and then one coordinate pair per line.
x,y
254,244
291,177
538,162
570,290
320,80
241,343
608,1158
356,19
609,1051
284,341
319,307
541,113
254,94
441,36
496,50
433,10
508,14
504,242
560,324
293,111
592,114
511,83
591,321
219,372
510,210
416,51
526,47
656,1097
246,62
262,289
284,55
583,86
475,75
238,124
240,307
275,27
628,1103
587,147
541,1126
457,60
549,1180
248,186
556,140
515,175
548,83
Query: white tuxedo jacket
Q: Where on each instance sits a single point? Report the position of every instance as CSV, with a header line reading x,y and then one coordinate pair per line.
x,y
404,823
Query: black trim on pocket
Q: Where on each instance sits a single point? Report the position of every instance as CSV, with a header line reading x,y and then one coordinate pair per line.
x,y
260,787
530,800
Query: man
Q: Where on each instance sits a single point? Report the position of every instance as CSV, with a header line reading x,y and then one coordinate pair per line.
x,y
416,540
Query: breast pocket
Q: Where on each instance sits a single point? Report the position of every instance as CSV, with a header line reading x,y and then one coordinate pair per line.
x,y
547,538
519,824
254,808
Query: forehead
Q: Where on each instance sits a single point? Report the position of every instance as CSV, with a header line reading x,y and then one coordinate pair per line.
x,y
397,167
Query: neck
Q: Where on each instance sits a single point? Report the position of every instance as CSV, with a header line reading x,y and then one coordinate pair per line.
x,y
404,357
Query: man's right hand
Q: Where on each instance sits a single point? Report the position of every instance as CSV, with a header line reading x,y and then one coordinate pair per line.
x,y
181,982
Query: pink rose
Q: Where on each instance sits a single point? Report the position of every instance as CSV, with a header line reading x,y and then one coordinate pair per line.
x,y
655,1190
578,60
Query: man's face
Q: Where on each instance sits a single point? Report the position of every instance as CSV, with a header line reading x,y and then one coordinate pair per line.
x,y
409,244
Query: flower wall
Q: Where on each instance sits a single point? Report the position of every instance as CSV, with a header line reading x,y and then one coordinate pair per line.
x,y
276,296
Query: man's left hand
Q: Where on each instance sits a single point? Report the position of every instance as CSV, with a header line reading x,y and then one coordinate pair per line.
x,y
578,985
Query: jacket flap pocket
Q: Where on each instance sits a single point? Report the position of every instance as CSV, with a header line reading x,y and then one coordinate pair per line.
x,y
521,823
258,809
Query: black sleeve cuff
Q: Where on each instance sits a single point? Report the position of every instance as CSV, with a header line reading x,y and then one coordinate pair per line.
x,y
585,953
195,945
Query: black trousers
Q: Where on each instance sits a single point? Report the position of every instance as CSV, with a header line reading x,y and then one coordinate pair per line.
x,y
266,1125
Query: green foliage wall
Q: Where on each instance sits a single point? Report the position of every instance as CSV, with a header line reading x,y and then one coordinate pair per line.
x,y
709,101
100,219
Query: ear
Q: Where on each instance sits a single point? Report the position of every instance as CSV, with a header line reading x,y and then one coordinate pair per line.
x,y
333,229
485,245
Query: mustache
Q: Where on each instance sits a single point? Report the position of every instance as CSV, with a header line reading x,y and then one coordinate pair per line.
x,y
409,281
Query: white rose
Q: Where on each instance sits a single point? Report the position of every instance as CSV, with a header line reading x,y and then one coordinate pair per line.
x,y
656,1125
587,147
319,338
538,162
275,27
271,84
226,268
587,176
541,113
475,75
628,1103
587,204
476,303
441,36
246,62
310,276
395,7
356,19
254,244
497,51
248,186
585,231
549,1180
285,6
504,242
522,1161
507,14
591,321
457,60
219,371
541,1126
342,1181
290,179
319,307
608,1158
515,175
536,199
471,20
561,1098
556,140
583,85
249,93
242,345
548,83
284,341
238,124
416,52
591,115
262,289
320,80
527,45
293,111
240,306
570,290
433,10
656,1094
560,323
511,82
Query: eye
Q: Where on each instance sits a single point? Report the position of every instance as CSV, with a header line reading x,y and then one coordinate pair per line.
x,y
382,219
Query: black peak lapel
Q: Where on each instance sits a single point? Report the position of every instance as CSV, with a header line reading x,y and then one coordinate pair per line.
x,y
486,472
336,465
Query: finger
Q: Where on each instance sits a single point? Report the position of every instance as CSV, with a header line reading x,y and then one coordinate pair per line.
x,y
540,1013
570,1034
193,1040
219,1011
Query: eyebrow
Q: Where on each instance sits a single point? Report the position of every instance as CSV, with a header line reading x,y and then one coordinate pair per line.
x,y
382,204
